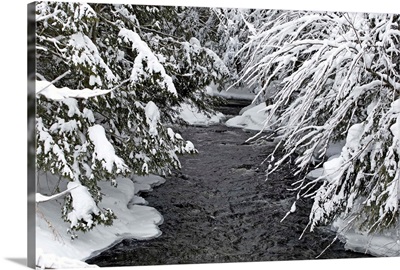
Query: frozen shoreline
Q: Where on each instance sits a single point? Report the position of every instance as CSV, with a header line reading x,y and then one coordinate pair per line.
x,y
386,244
132,210
134,218
54,245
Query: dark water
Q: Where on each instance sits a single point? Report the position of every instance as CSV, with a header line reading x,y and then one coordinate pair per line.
x,y
219,208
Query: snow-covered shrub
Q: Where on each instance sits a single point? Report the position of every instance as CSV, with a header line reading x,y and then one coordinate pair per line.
x,y
108,79
340,80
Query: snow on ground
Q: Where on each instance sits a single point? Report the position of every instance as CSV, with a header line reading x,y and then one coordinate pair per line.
x,y
193,117
252,118
53,243
386,244
144,184
231,92
52,261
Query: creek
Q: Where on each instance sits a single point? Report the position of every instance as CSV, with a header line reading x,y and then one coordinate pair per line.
x,y
219,208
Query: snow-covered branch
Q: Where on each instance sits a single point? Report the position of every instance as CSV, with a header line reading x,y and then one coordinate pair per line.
x,y
52,92
43,198
339,80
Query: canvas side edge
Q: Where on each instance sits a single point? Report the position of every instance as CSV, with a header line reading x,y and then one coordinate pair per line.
x,y
31,111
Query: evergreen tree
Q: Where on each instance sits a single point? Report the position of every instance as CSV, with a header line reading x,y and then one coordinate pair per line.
x,y
226,31
109,79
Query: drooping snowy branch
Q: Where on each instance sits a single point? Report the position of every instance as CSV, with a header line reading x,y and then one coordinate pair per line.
x,y
146,63
52,92
104,152
84,52
84,209
44,198
339,80
110,77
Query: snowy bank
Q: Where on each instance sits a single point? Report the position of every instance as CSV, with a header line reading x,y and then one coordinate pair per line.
x,y
53,242
253,117
381,244
192,116
386,244
231,92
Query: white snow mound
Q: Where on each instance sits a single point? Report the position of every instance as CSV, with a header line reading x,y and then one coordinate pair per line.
x,y
252,119
54,244
193,117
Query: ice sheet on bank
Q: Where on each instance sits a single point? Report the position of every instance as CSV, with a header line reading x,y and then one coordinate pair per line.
x,y
144,184
136,221
193,117
252,119
386,244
